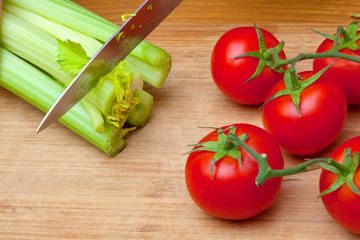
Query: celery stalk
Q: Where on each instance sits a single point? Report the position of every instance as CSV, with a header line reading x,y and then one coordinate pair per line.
x,y
69,15
42,50
142,111
32,44
39,48
96,118
153,76
154,58
100,98
56,38
54,29
41,91
104,97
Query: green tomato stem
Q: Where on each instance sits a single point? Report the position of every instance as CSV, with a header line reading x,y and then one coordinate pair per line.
x,y
228,145
333,53
266,172
303,56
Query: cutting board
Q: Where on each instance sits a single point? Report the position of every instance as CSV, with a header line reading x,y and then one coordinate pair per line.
x,y
55,185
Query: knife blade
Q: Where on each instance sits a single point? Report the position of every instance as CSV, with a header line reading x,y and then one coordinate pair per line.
x,y
146,18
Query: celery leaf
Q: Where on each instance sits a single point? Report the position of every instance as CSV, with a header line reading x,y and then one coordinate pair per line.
x,y
72,56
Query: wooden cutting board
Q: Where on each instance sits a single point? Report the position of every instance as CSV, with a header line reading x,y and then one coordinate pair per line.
x,y
55,185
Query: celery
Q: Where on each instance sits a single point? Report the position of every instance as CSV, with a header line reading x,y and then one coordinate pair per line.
x,y
153,76
96,119
41,91
54,29
42,50
39,48
142,111
57,38
155,59
32,44
68,15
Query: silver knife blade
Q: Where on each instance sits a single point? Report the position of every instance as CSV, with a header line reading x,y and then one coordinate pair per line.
x,y
147,17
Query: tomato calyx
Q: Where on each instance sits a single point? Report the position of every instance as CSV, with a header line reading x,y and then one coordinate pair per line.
x,y
345,172
295,86
222,147
347,38
267,57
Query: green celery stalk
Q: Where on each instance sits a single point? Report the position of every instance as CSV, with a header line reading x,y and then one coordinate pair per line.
x,y
42,50
41,91
142,111
101,98
39,48
40,31
151,75
69,15
157,61
56,30
32,44
96,118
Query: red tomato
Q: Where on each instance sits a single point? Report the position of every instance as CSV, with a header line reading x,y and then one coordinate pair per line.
x,y
347,73
232,192
323,108
230,75
343,204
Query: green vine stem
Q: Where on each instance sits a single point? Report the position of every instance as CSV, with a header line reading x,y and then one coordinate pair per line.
x,y
294,84
230,144
345,171
342,39
266,172
333,53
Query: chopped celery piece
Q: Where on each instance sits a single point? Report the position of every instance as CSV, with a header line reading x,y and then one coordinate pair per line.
x,y
141,114
41,91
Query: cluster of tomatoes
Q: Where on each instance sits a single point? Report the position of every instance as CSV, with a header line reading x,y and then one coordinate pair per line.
x,y
303,121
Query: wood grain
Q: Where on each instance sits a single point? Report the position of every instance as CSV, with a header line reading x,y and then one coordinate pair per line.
x,y
238,11
55,185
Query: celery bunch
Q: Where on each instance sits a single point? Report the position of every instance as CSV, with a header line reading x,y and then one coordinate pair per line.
x,y
51,41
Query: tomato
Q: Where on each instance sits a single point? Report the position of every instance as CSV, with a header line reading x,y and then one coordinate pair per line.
x,y
323,111
346,72
230,191
343,204
230,75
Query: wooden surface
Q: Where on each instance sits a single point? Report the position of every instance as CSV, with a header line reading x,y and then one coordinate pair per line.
x,y
55,185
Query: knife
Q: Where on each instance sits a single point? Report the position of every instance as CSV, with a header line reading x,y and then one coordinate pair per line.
x,y
146,18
